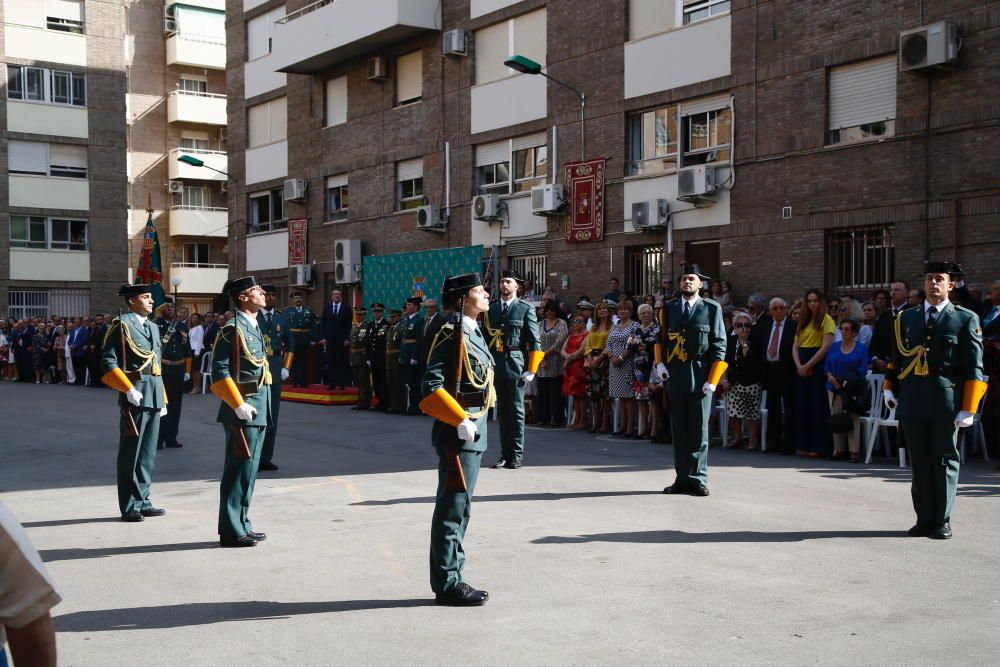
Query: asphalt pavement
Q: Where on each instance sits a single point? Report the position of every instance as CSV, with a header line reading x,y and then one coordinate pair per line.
x,y
789,561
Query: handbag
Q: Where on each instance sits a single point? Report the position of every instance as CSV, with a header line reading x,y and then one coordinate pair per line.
x,y
855,395
841,423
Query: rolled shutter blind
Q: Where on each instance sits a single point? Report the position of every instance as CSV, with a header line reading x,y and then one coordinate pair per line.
x,y
336,181
257,125
498,151
336,100
30,157
646,17
704,104
528,141
71,10
409,76
863,93
407,170
279,118
24,12
65,155
257,36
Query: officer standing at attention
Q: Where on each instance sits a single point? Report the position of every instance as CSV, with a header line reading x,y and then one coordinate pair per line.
x,y
304,327
458,393
410,352
130,363
359,366
512,332
378,329
177,357
241,377
937,368
695,341
278,345
394,377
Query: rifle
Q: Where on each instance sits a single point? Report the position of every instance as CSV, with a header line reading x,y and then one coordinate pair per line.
x,y
128,421
242,447
453,474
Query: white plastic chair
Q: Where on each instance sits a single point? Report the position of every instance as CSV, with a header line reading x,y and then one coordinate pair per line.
x,y
867,423
206,371
975,431
763,421
884,423
722,414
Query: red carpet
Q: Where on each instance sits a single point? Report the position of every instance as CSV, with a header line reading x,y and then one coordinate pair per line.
x,y
318,394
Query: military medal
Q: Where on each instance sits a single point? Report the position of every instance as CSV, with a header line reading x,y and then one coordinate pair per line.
x,y
267,345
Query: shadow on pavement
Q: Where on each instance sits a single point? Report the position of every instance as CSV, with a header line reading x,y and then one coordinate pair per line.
x,y
681,537
514,497
205,613
71,522
50,555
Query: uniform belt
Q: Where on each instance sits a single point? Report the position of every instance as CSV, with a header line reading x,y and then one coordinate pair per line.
x,y
247,388
358,349
300,330
171,362
392,351
135,376
409,340
471,399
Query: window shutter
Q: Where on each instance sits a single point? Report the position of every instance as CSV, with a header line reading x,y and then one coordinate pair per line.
x,y
498,151
647,17
257,36
336,100
198,22
863,93
528,141
336,181
407,170
28,156
704,104
278,118
66,155
409,76
492,48
24,12
257,125
530,37
71,10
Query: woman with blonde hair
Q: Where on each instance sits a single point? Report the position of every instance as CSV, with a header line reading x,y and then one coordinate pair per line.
x,y
813,339
596,362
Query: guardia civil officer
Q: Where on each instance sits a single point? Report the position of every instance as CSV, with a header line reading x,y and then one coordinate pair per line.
x,y
176,357
130,363
241,377
278,344
937,368
357,356
304,327
459,405
410,352
694,342
395,377
378,328
512,333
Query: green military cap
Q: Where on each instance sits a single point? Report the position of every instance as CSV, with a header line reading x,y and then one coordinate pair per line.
x,y
237,285
134,290
377,306
951,268
395,311
360,310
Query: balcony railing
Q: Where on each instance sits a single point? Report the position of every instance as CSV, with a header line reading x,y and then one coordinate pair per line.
x,y
207,221
217,160
188,106
308,9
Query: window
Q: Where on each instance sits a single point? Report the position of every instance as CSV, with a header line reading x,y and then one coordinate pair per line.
x,y
194,141
529,155
494,178
260,32
193,85
697,10
337,198
409,77
196,254
42,85
524,35
68,161
653,141
266,211
23,304
862,101
533,269
30,231
860,259
644,267
409,184
64,15
266,123
531,166
336,101
648,17
706,132
194,196
199,22
42,159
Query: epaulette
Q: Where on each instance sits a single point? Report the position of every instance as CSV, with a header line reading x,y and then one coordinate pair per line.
x,y
111,327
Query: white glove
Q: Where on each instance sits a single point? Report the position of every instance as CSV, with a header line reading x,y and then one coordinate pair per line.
x,y
467,430
413,362
187,377
368,364
134,396
284,374
890,399
246,412
527,376
662,371
163,411
708,388
964,419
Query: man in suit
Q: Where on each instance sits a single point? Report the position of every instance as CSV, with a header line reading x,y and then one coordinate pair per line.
x,y
409,352
78,351
177,359
335,328
512,333
378,328
881,346
130,361
695,340
358,356
433,321
937,364
304,327
278,346
241,377
775,335
96,337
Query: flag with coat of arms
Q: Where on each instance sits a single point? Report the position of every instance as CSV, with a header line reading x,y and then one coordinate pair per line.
x,y
150,271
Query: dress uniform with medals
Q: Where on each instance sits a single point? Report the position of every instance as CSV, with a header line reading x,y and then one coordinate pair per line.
x,y
410,352
394,372
458,434
357,354
241,377
694,343
378,329
937,369
130,363
177,359
304,328
512,334
278,344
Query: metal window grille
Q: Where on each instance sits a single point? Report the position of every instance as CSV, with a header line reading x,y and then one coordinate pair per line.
x,y
861,259
533,269
643,269
22,304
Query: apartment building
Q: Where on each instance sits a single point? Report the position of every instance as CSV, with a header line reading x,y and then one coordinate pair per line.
x,y
62,148
176,108
782,145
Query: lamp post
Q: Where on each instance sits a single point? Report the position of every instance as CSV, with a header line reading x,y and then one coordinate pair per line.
x,y
528,66
175,282
195,162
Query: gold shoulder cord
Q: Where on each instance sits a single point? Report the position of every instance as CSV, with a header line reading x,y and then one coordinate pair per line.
x,y
147,358
679,350
477,382
492,335
919,355
254,361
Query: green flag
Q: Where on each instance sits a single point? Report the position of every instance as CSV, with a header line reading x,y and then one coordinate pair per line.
x,y
150,271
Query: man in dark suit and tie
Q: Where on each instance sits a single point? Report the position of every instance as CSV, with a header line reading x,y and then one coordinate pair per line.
x,y
335,328
78,351
775,334
880,349
433,321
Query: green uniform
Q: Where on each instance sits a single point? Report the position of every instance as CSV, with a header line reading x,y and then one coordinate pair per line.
x,y
511,336
395,378
254,381
359,367
452,509
141,364
930,395
409,358
303,325
176,355
690,347
279,338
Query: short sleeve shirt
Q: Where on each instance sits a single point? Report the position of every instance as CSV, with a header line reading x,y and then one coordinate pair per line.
x,y
26,591
813,337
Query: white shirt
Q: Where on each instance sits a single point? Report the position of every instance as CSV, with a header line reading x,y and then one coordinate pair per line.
x,y
470,322
506,302
252,319
940,308
28,591
196,337
774,325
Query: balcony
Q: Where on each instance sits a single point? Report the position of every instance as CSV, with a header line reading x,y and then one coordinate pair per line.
x,y
30,191
189,107
702,47
41,264
196,51
199,278
33,43
214,159
266,163
199,221
331,31
51,119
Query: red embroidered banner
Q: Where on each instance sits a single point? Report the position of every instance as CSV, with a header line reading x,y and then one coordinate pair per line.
x,y
297,241
585,201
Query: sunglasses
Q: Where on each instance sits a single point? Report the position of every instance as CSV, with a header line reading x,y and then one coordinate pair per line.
x,y
577,321
743,326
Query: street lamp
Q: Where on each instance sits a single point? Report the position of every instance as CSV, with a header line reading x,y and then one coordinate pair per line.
x,y
195,162
524,65
175,282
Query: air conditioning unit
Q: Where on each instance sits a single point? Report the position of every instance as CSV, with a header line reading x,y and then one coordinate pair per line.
x,y
376,69
347,260
455,43
223,187
300,275
650,214
429,217
168,11
547,199
295,189
696,184
931,45
170,26
175,187
486,208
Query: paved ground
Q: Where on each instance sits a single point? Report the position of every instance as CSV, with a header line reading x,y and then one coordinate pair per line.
x,y
788,562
